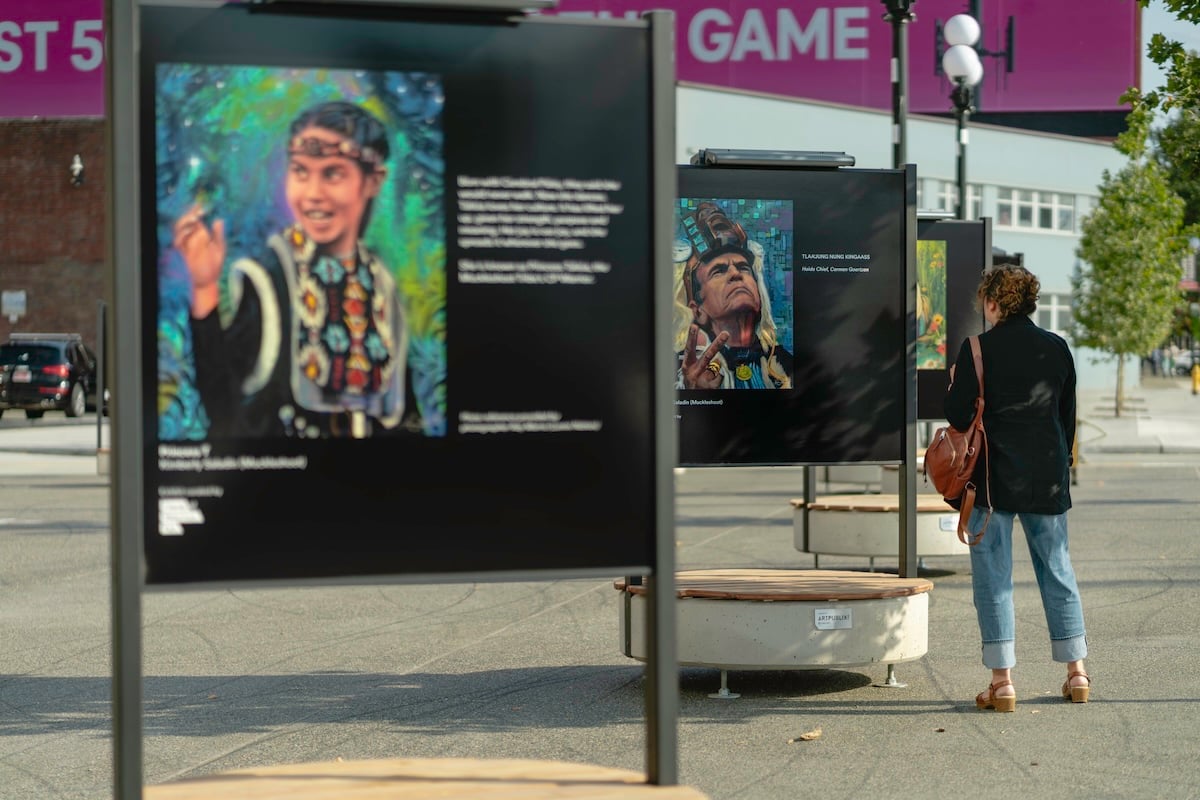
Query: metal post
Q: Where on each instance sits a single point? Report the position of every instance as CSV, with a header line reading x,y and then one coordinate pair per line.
x,y
723,693
810,497
899,14
891,682
662,669
101,384
961,97
961,131
121,19
908,469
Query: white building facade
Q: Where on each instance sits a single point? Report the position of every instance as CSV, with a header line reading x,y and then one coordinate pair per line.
x,y
1036,187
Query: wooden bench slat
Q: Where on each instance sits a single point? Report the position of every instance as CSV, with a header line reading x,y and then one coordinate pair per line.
x,y
423,779
767,585
927,503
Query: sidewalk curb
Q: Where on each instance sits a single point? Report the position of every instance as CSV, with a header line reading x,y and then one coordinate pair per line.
x,y
50,451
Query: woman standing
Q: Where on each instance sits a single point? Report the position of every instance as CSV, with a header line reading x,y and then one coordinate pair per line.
x,y
1029,416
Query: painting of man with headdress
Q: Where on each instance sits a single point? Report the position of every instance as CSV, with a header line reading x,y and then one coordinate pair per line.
x,y
733,311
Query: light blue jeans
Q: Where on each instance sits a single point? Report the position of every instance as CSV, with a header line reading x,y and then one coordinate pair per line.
x,y
991,579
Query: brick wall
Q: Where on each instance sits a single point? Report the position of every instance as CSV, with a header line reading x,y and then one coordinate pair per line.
x,y
53,234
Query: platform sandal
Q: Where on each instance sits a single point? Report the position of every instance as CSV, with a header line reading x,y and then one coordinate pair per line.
x,y
1077,694
988,699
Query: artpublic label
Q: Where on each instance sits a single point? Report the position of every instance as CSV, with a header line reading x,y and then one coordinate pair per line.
x,y
834,619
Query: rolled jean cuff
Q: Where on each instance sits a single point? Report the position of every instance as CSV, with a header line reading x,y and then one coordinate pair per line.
x,y
1073,648
1000,655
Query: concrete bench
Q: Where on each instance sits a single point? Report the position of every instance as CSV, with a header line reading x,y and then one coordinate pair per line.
x,y
882,478
424,779
865,475
889,479
868,525
758,619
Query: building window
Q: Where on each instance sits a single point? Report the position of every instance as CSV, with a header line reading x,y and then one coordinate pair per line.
x,y
947,198
1043,211
1054,313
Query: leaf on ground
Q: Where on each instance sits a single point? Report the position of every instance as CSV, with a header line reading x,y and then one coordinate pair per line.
x,y
809,736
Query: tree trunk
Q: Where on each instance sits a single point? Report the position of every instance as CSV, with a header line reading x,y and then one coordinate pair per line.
x,y
1120,399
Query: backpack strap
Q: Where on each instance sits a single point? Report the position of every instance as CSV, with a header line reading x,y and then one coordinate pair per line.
x,y
965,535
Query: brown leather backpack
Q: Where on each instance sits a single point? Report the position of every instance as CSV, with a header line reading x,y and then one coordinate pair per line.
x,y
951,457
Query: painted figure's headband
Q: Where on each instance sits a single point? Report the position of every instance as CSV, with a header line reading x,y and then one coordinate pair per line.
x,y
319,148
710,234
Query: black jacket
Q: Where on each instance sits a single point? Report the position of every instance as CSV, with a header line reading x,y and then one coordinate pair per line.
x,y
1029,416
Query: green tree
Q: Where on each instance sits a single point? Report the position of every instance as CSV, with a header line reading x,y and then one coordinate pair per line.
x,y
1133,243
1182,67
1177,151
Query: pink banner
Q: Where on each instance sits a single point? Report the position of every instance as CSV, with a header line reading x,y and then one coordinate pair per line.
x,y
51,51
1065,57
51,58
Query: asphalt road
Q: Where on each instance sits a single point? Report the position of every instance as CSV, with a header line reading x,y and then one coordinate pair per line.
x,y
238,678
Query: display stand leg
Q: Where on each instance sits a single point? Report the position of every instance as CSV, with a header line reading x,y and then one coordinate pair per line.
x,y
891,682
870,563
724,693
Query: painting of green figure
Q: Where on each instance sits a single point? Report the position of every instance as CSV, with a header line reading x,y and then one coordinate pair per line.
x,y
931,304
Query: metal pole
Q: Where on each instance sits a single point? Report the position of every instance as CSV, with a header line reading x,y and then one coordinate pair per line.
x,y
899,15
121,19
101,384
961,116
662,669
899,90
961,97
909,565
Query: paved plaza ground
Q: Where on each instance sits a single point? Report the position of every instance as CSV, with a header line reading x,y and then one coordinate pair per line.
x,y
249,677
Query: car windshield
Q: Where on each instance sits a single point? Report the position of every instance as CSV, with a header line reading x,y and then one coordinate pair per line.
x,y
32,355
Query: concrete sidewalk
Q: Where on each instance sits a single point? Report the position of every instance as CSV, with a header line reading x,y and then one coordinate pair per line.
x,y
1161,416
244,677
52,445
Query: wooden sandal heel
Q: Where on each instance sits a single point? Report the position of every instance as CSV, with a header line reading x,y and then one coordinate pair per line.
x,y
988,699
1077,694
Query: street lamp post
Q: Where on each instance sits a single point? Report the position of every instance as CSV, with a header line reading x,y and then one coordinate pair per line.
x,y
962,65
961,98
899,13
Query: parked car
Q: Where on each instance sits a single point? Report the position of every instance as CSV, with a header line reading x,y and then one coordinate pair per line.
x,y
40,372
1182,363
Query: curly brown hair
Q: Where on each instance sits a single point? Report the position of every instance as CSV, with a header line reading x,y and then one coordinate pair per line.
x,y
1015,290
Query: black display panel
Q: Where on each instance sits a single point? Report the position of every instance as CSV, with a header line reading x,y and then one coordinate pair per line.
x,y
804,272
951,254
397,289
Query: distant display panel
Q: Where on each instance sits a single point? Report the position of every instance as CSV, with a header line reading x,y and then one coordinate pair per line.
x,y
383,256
951,254
790,287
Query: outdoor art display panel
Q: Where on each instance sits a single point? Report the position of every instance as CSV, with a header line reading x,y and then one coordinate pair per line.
x,y
374,323
931,304
789,305
951,254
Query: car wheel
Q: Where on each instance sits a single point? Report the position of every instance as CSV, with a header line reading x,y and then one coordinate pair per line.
x,y
77,403
33,413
